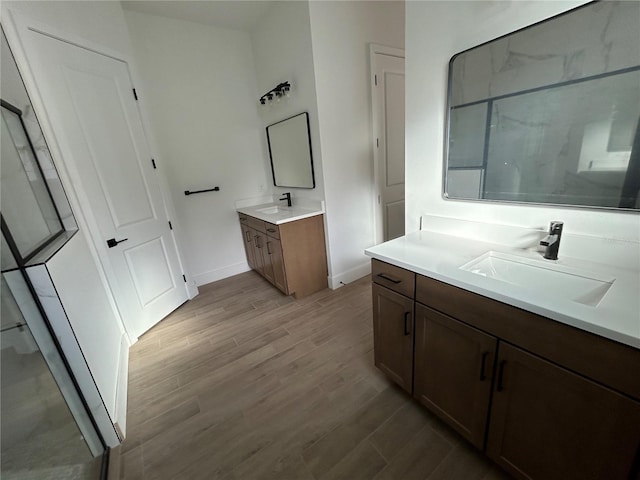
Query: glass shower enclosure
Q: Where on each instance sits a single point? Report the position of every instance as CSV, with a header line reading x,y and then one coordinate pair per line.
x,y
48,401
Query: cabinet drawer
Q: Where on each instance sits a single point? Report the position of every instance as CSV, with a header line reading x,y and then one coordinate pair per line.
x,y
272,230
257,224
394,278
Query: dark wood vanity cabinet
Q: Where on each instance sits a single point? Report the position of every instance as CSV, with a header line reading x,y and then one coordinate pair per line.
x,y
393,324
393,335
544,400
549,423
454,371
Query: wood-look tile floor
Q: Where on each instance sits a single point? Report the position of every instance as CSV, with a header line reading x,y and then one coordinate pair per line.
x,y
245,383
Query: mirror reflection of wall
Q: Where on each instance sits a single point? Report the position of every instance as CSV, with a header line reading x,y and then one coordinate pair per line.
x,y
290,151
549,114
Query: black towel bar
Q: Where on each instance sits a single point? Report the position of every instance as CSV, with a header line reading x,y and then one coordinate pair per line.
x,y
214,189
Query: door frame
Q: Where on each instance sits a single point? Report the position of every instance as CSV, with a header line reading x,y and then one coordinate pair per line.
x,y
378,222
17,27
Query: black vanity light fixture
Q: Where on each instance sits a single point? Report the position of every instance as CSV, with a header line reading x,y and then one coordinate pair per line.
x,y
276,94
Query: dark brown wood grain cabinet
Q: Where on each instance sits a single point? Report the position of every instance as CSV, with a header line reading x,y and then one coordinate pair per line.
x,y
549,423
393,335
543,399
453,371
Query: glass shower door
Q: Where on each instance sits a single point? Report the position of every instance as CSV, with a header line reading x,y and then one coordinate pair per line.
x,y
45,430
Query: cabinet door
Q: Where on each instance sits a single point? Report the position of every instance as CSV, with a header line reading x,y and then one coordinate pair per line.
x,y
258,258
393,335
247,236
274,252
549,423
453,372
265,258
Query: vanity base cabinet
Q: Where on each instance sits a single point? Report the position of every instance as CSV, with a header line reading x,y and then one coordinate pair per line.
x,y
549,423
543,399
393,335
453,372
291,256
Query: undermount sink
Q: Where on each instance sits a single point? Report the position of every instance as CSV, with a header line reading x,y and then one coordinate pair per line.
x,y
543,277
272,210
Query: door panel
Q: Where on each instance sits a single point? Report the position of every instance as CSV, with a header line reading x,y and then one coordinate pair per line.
x,y
393,335
151,278
90,102
578,429
94,96
453,371
389,105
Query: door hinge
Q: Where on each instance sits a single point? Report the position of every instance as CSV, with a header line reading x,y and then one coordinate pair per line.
x,y
153,162
184,278
375,80
170,226
378,199
135,94
377,143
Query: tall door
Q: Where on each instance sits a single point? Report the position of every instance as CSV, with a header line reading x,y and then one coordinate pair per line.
x,y
91,104
389,115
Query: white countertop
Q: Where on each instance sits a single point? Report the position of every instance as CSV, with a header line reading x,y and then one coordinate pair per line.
x,y
284,214
439,256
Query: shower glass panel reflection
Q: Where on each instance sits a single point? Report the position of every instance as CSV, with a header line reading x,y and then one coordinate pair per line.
x,y
40,438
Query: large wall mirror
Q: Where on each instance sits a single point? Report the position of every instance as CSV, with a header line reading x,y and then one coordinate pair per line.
x,y
290,151
549,114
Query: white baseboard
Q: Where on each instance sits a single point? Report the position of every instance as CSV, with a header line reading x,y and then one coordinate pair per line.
x,y
120,416
349,276
220,273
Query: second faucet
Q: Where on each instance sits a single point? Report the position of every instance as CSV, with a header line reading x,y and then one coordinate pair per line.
x,y
287,197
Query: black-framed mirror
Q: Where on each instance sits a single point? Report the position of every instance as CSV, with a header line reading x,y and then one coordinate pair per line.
x,y
290,152
549,114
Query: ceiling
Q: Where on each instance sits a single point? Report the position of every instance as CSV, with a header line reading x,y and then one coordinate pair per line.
x,y
236,14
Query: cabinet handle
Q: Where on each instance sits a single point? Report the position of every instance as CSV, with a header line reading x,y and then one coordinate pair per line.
x,y
501,376
248,235
268,249
272,230
483,377
407,319
387,277
257,241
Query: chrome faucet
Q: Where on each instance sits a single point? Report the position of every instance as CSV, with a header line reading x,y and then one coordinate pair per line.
x,y
552,241
287,197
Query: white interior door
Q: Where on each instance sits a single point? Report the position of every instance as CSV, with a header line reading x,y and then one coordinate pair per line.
x,y
90,102
388,103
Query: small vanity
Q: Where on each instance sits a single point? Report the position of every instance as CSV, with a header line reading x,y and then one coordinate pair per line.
x,y
540,369
286,245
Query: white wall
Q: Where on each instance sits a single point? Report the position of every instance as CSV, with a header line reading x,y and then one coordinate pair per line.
x,y
341,33
281,43
435,32
198,84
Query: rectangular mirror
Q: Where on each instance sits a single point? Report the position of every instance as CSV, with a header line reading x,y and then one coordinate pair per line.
x,y
290,151
549,114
